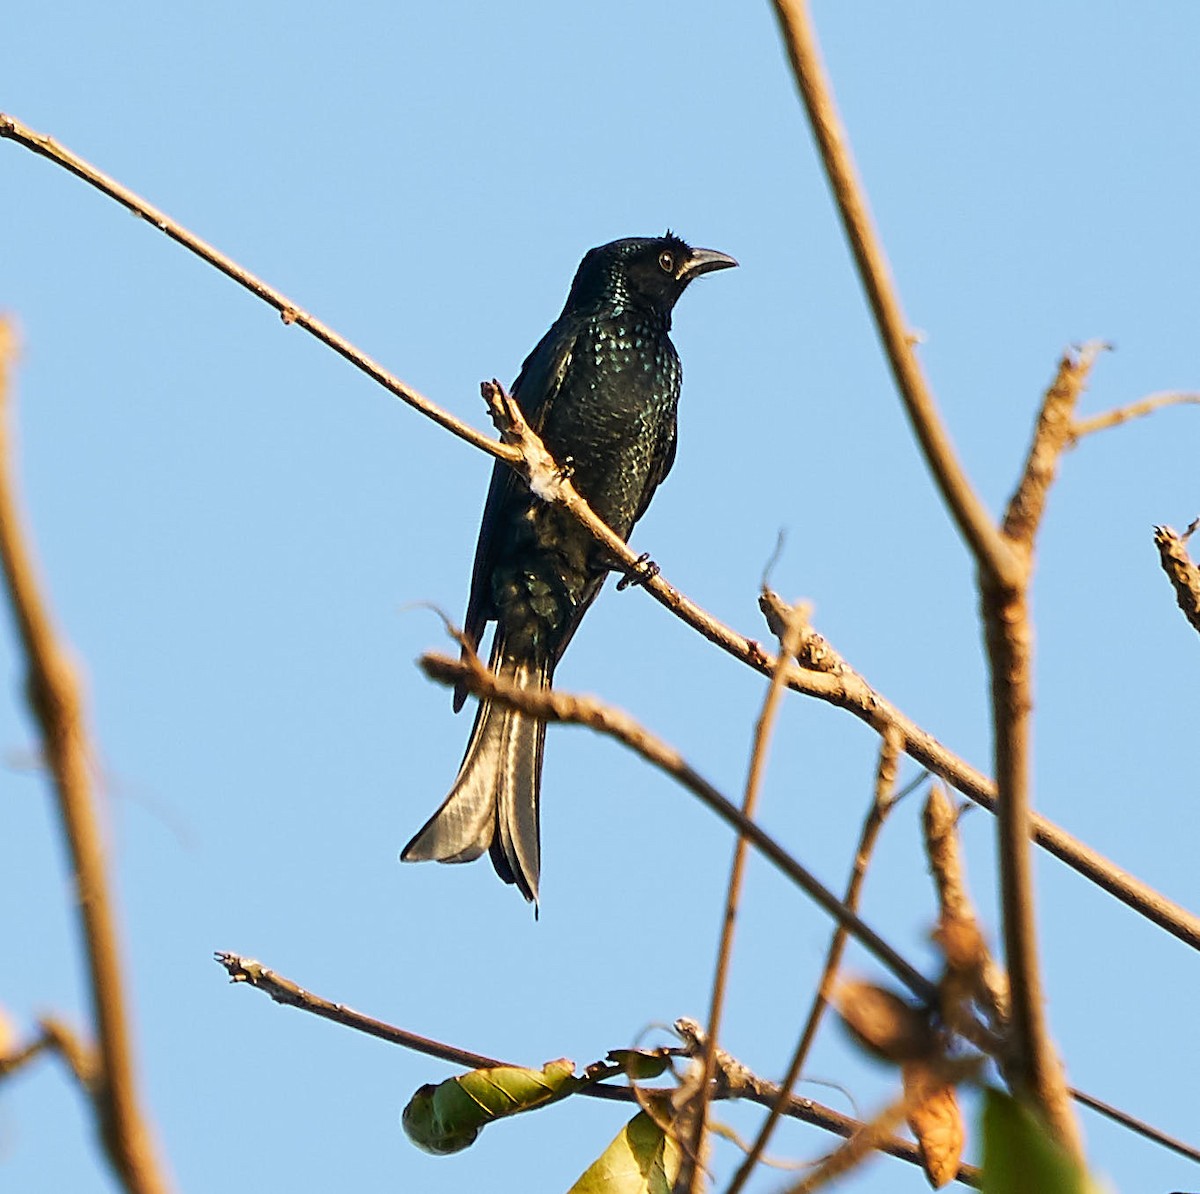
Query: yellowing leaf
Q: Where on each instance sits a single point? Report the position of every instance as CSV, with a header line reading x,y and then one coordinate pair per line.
x,y
936,1121
643,1159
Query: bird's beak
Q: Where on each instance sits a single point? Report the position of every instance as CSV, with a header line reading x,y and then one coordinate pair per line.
x,y
704,261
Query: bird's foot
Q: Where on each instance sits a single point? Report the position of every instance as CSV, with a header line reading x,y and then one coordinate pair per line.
x,y
566,468
642,570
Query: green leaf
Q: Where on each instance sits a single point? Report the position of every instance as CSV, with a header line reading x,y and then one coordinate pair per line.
x,y
447,1118
1020,1155
643,1159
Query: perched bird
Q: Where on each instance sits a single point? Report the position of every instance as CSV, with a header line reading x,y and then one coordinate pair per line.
x,y
601,389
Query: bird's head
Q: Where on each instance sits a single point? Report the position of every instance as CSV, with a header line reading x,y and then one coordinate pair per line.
x,y
646,272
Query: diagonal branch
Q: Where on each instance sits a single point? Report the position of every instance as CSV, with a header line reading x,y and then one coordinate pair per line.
x,y
845,689
285,991
47,147
842,686
57,705
553,705
972,517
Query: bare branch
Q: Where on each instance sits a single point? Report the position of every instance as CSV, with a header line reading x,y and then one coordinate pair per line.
x,y
845,688
1123,414
1051,436
736,1080
553,705
974,522
1138,1126
1182,573
57,705
811,650
881,804
284,990
47,147
1033,1066
850,692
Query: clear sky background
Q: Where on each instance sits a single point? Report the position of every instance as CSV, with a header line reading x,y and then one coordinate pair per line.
x,y
237,529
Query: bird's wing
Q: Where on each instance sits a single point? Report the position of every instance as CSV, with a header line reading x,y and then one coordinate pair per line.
x,y
539,381
664,460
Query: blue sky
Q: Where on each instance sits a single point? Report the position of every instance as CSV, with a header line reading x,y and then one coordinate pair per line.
x,y
237,530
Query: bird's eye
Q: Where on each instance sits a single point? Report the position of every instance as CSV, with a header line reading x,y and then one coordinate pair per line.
x,y
667,261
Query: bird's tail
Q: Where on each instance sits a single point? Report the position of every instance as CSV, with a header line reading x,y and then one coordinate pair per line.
x,y
494,804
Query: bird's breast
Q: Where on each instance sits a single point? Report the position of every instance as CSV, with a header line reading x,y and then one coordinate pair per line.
x,y
615,412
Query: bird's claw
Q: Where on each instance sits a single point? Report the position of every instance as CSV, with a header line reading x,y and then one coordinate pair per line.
x,y
643,570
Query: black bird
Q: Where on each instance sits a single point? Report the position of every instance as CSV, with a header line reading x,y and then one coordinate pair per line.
x,y
601,390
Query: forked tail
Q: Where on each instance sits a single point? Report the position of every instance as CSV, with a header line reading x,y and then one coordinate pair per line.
x,y
494,804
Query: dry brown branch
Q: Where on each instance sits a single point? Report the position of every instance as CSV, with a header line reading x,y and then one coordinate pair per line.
x,y
553,705
737,1081
1182,573
940,823
1004,558
847,691
57,705
47,147
1051,435
1033,1067
974,521
852,692
811,650
795,621
882,802
284,990
1123,414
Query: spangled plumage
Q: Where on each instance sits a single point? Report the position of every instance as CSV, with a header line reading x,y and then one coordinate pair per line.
x,y
601,389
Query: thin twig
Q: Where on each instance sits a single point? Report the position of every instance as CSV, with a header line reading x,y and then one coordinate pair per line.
x,y
1123,414
54,698
974,521
1138,1126
847,691
882,801
1182,573
554,705
291,313
286,991
789,640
